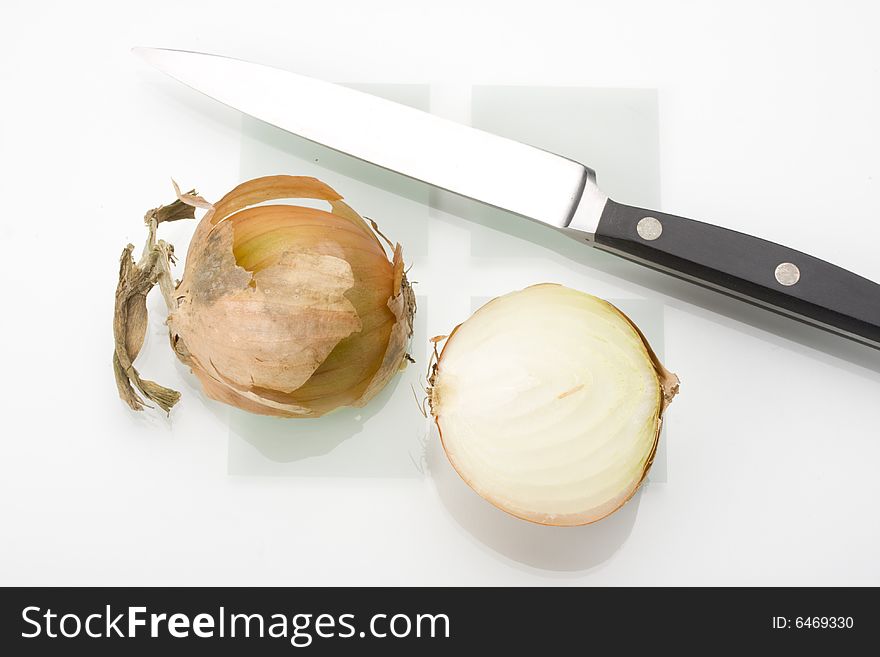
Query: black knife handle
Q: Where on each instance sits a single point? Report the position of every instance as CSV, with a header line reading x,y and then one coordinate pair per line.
x,y
747,267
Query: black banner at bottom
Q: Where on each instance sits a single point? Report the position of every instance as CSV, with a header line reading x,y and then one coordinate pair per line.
x,y
278,621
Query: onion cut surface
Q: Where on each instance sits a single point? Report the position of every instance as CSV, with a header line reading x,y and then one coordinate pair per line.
x,y
549,404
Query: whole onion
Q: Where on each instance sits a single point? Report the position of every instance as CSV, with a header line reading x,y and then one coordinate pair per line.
x,y
283,309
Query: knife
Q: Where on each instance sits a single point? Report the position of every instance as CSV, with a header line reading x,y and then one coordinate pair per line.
x,y
538,185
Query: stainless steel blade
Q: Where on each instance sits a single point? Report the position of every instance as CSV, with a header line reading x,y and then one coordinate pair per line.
x,y
482,166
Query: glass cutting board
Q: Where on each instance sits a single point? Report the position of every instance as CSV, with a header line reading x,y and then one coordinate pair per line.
x,y
462,254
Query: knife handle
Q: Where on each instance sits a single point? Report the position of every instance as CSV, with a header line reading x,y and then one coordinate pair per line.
x,y
755,270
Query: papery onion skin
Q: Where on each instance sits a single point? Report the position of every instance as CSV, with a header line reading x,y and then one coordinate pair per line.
x,y
289,310
523,424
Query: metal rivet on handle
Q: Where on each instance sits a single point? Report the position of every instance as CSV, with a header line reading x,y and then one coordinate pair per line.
x,y
788,274
649,228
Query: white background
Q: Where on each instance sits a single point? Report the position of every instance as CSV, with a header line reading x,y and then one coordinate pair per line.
x,y
767,124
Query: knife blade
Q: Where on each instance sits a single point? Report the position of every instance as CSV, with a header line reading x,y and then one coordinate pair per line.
x,y
536,184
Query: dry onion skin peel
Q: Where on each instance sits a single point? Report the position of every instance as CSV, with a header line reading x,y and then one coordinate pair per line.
x,y
549,403
283,309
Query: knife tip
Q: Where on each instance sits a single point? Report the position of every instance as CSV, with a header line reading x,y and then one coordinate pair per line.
x,y
149,54
142,52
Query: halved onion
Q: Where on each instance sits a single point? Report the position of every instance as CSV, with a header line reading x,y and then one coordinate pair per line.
x,y
549,403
